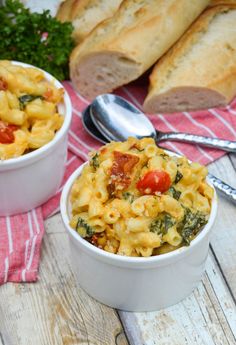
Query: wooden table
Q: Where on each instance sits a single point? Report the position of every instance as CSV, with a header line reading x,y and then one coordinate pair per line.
x,y
55,311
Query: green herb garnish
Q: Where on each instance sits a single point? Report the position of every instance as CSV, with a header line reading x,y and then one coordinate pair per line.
x,y
25,99
174,193
178,177
162,223
94,162
83,228
128,196
35,38
163,155
191,224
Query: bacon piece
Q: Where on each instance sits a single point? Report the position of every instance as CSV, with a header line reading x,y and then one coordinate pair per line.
x,y
48,95
121,170
103,150
124,163
94,240
3,84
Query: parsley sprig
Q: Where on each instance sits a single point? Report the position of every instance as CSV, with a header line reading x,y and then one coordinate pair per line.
x,y
35,38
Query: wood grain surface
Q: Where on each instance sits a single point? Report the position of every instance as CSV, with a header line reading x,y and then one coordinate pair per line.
x,y
55,311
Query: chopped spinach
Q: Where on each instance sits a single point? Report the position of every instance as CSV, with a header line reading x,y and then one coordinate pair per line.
x,y
25,99
174,193
83,228
191,224
168,221
162,223
178,177
95,161
128,196
157,226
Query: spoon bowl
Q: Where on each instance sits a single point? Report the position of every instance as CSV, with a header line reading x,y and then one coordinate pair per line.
x,y
118,119
91,128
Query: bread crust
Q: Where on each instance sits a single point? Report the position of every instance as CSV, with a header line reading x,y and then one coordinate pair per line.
x,y
86,14
222,2
204,59
64,11
140,32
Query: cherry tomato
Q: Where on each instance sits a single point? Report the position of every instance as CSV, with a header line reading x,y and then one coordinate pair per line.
x,y
6,133
155,181
13,127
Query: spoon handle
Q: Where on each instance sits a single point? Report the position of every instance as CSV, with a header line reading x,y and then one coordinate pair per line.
x,y
225,145
223,187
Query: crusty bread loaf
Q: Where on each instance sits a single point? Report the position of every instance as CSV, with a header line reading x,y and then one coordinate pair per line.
x,y
86,14
199,71
121,48
64,11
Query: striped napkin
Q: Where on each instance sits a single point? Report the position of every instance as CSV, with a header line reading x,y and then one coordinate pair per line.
x,y
21,235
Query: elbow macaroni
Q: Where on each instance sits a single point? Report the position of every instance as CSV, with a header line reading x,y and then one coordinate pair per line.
x,y
125,222
28,101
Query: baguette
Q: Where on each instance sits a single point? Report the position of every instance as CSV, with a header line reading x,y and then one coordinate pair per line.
x,y
199,71
86,14
123,47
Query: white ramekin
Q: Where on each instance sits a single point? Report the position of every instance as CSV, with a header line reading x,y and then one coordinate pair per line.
x,y
31,179
136,284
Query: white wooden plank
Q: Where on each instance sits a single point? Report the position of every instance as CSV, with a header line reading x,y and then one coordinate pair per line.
x,y
206,317
53,225
55,311
223,303
224,169
223,239
132,328
232,157
1,339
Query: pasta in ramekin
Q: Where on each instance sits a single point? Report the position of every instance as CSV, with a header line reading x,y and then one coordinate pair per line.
x,y
134,199
29,115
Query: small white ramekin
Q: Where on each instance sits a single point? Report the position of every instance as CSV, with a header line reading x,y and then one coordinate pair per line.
x,y
31,179
131,283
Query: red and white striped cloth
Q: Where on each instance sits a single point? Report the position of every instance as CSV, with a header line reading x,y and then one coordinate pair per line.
x,y
21,235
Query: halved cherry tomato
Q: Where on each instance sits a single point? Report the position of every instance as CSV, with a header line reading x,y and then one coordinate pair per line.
x,y
12,127
6,133
155,181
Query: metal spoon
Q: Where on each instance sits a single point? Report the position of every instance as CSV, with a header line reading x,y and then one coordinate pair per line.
x,y
110,113
90,126
221,186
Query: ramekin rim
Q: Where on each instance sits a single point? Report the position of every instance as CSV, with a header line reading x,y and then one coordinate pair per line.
x,y
102,254
36,154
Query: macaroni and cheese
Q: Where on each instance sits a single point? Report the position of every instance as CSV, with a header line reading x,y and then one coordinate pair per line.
x,y
29,116
134,199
